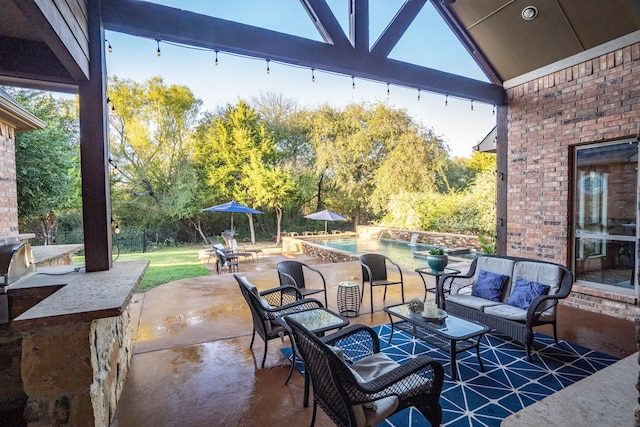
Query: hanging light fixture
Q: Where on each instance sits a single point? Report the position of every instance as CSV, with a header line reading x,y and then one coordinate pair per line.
x,y
109,48
216,61
268,70
313,76
353,82
418,94
446,100
158,51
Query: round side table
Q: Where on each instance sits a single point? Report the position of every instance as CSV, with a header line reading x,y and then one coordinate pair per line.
x,y
349,299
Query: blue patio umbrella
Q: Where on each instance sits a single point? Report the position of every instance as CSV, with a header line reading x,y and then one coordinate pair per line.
x,y
233,207
326,215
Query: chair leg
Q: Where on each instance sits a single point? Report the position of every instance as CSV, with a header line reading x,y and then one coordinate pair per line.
x,y
313,416
402,291
264,357
371,292
384,296
253,337
555,332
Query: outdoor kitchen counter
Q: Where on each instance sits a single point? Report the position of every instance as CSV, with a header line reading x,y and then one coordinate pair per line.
x,y
84,296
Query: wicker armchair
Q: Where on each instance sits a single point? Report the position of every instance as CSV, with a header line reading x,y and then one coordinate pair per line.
x,y
344,390
374,271
268,305
291,273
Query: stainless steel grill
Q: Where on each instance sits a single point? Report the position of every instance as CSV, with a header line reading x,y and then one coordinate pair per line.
x,y
16,263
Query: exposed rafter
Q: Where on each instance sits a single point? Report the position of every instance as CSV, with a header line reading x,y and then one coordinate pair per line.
x,y
140,18
397,27
325,22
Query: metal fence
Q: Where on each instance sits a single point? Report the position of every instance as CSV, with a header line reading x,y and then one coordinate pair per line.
x,y
127,240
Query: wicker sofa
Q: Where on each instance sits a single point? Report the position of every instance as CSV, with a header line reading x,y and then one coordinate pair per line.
x,y
543,283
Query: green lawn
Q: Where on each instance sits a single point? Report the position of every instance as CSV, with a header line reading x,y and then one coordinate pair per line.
x,y
165,265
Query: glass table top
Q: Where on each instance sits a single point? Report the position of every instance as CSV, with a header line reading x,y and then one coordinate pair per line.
x,y
451,326
318,319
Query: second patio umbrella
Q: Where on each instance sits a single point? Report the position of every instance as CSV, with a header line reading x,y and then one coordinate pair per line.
x,y
326,215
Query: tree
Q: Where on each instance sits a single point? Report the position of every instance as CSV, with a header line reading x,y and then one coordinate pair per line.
x,y
151,147
366,154
230,146
47,160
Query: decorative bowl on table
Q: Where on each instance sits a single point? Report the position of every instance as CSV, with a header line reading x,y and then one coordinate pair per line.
x,y
439,316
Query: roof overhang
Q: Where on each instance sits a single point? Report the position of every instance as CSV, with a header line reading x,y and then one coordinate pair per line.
x,y
17,117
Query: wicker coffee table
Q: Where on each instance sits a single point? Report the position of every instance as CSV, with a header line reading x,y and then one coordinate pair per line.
x,y
452,334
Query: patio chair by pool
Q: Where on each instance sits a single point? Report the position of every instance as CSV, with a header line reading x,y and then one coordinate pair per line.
x,y
357,385
268,305
374,272
291,273
226,260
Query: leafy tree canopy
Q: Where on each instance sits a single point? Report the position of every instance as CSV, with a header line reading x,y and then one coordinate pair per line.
x,y
47,160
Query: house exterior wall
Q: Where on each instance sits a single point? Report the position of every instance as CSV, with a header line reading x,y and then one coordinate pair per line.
x,y
8,191
594,101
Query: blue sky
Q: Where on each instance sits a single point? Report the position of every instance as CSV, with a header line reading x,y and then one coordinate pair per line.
x,y
428,42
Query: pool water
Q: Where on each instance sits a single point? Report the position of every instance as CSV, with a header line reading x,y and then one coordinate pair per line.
x,y
400,252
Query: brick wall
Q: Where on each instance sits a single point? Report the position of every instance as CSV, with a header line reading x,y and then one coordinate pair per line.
x,y
8,192
597,100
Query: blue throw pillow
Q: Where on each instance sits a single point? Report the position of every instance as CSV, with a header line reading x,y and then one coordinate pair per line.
x,y
525,292
489,285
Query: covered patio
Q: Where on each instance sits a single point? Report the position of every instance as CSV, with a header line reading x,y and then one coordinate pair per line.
x,y
561,74
192,364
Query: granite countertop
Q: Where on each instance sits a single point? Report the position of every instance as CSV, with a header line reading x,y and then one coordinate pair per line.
x,y
85,296
45,254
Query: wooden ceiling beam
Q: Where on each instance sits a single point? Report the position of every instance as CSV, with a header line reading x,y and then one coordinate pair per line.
x,y
155,21
31,64
326,22
397,27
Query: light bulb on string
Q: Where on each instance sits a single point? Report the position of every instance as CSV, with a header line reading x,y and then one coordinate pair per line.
x,y
446,100
268,69
353,82
313,76
109,48
493,111
418,94
216,61
472,105
388,90
158,51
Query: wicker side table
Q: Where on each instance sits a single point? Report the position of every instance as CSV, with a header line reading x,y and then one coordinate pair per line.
x,y
349,299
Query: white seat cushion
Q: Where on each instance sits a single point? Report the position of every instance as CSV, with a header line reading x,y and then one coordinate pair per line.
x,y
507,311
510,312
472,302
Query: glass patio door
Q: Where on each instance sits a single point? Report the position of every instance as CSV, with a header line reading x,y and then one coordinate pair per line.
x,y
605,215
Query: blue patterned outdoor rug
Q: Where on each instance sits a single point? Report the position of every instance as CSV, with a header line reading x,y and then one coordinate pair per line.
x,y
508,383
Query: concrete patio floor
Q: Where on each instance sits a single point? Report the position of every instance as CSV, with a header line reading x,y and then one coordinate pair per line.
x,y
192,365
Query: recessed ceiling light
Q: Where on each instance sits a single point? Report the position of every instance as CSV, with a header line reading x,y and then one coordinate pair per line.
x,y
529,13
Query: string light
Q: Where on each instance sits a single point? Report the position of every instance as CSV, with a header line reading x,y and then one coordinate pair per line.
x,y
493,111
313,77
109,48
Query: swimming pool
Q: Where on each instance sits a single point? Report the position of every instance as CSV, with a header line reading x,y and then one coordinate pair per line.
x,y
400,252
